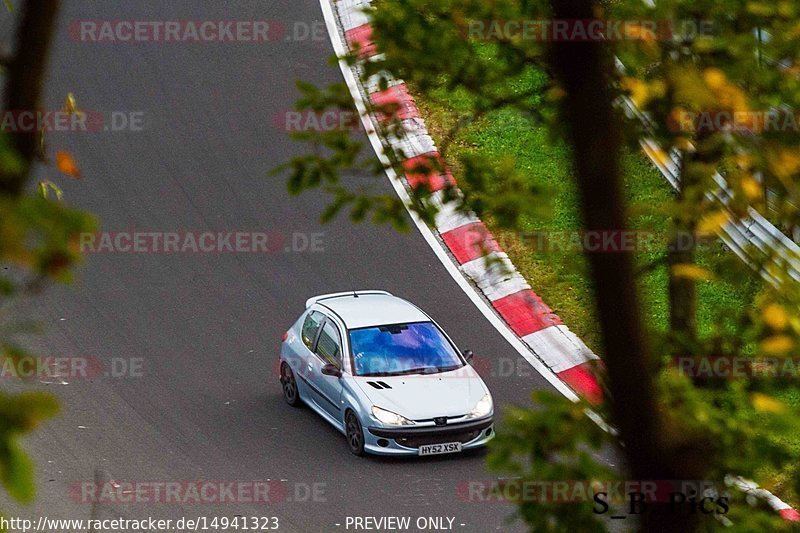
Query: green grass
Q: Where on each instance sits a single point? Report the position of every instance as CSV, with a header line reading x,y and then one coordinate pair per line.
x,y
560,278
781,481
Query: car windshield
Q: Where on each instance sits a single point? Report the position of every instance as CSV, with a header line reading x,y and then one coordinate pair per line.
x,y
400,349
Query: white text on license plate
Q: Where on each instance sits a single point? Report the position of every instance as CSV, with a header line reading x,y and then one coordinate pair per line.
x,y
436,449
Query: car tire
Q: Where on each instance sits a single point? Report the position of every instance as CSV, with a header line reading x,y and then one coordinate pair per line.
x,y
291,394
354,433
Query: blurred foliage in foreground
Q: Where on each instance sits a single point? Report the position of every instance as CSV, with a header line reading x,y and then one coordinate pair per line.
x,y
745,59
39,236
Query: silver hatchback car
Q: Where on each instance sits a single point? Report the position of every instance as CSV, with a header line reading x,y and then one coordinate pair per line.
x,y
386,375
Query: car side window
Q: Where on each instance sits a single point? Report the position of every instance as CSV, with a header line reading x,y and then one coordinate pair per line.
x,y
329,347
310,327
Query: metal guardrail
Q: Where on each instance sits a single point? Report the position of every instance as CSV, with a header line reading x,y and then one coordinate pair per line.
x,y
756,241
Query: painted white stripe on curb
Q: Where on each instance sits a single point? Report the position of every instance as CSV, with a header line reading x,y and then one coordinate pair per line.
x,y
416,140
559,348
449,216
373,82
495,275
351,13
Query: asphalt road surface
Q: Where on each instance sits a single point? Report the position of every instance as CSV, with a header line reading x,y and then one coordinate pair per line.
x,y
206,327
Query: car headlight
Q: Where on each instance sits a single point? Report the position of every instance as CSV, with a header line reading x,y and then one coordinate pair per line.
x,y
482,408
390,418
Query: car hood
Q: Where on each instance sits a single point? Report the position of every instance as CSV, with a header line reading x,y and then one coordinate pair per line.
x,y
425,396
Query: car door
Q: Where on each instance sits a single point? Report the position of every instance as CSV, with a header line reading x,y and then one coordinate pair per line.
x,y
304,350
328,350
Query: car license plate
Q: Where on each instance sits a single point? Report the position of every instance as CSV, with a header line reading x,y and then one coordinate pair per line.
x,y
436,449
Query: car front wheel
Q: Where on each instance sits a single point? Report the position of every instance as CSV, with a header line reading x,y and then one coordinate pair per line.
x,y
355,435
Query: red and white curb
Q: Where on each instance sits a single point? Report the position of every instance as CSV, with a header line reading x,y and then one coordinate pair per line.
x,y
754,491
465,246
469,243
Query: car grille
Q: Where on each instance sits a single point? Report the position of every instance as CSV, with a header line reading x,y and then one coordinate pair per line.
x,y
415,442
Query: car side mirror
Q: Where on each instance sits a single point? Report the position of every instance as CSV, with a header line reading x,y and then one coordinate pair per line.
x,y
468,355
331,370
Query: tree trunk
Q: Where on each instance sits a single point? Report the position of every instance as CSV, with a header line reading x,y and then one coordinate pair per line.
x,y
25,79
682,290
583,70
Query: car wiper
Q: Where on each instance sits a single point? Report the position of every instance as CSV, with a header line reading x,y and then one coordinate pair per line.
x,y
421,370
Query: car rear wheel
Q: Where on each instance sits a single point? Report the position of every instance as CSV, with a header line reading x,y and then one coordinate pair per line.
x,y
355,435
289,385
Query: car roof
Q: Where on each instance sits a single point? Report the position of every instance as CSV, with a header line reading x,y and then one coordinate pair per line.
x,y
374,309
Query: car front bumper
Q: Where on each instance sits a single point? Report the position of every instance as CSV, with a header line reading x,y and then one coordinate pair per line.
x,y
406,440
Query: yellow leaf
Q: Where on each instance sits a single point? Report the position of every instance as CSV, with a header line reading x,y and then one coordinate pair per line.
x,y
767,404
726,95
732,97
711,223
691,271
752,188
777,344
775,316
69,105
714,78
657,154
639,91
682,143
66,164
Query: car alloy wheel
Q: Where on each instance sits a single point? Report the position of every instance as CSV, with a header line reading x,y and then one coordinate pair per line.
x,y
355,436
290,392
